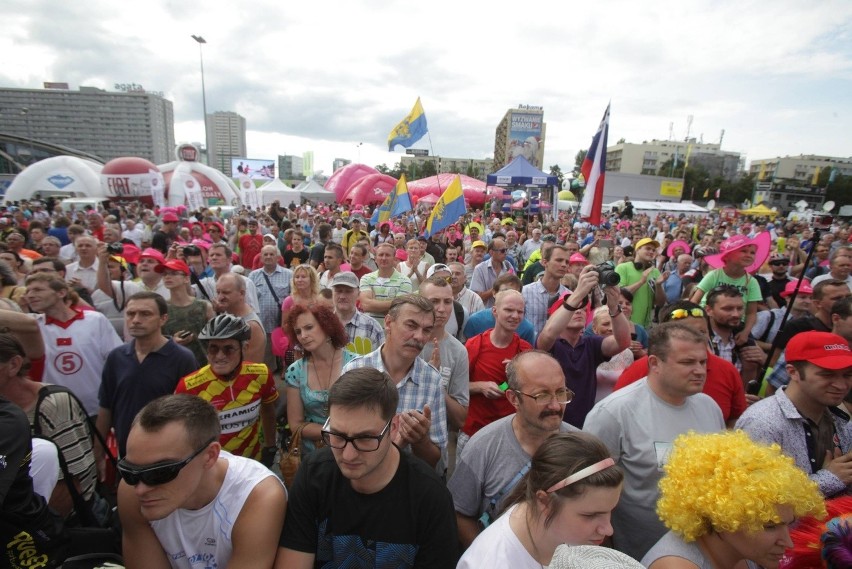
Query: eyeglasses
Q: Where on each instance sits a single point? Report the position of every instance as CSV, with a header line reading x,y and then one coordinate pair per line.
x,y
228,351
561,397
725,288
363,443
159,473
686,313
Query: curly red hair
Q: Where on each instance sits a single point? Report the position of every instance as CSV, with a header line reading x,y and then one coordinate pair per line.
x,y
327,319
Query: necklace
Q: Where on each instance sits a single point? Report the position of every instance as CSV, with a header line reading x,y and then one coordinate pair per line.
x,y
330,372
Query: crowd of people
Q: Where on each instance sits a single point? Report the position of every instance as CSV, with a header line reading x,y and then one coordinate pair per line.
x,y
522,391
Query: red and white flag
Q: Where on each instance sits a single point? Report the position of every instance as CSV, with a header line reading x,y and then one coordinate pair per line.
x,y
594,171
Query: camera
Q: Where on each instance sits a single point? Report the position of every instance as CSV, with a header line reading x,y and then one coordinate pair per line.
x,y
607,275
191,251
115,248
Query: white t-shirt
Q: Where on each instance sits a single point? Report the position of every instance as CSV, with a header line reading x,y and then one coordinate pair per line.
x,y
75,352
498,547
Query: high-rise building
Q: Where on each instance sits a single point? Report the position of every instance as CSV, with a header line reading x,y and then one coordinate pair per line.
x,y
104,123
339,163
649,156
520,133
290,168
226,131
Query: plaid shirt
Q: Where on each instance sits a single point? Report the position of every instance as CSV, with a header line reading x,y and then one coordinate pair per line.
x,y
365,334
725,351
420,386
536,302
270,311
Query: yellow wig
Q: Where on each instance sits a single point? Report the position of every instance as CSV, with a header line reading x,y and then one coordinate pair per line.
x,y
726,482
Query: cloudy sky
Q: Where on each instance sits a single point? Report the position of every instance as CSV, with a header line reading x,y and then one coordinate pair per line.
x,y
328,75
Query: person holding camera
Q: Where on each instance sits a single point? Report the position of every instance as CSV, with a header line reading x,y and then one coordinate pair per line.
x,y
580,355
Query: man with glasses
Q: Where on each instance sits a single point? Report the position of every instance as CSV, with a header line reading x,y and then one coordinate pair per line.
x,y
486,272
496,458
243,392
639,423
360,498
185,502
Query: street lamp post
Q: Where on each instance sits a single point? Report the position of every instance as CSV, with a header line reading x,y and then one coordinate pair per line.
x,y
26,112
359,151
202,41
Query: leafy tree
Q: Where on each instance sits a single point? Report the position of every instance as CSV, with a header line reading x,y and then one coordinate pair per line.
x,y
429,168
578,159
555,170
621,141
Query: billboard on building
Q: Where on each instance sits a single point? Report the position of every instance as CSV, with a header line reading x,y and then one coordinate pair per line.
x,y
254,168
308,163
525,138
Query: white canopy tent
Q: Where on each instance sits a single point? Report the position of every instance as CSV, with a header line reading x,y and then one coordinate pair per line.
x,y
653,208
277,190
312,190
58,176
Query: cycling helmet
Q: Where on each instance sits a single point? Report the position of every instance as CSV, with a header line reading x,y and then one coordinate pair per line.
x,y
225,327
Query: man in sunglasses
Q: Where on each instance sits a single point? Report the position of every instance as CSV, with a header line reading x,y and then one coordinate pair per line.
x,y
361,498
241,390
486,272
184,502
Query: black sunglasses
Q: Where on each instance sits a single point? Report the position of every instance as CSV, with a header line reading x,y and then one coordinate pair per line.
x,y
158,473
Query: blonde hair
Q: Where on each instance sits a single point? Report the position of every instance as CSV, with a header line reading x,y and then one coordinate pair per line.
x,y
598,315
725,482
312,275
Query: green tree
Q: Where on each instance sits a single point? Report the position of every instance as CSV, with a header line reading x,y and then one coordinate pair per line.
x,y
578,159
555,170
429,168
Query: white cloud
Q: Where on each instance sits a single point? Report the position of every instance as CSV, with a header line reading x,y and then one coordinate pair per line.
x,y
324,76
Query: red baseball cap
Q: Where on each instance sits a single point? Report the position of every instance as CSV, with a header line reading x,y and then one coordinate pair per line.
x,y
173,265
153,254
823,349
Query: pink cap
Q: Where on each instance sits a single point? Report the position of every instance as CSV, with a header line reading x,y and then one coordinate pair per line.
x,y
791,286
170,216
578,258
153,254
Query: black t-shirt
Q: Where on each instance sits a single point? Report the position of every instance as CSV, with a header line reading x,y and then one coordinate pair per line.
x,y
317,254
409,523
21,509
437,250
293,259
776,287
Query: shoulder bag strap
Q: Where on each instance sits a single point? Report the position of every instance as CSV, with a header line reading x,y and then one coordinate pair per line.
x,y
272,290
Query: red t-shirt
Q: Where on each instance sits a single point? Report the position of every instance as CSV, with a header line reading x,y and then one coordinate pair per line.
x,y
723,384
250,245
488,363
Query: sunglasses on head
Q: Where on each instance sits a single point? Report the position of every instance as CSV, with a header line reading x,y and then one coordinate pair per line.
x,y
158,473
681,313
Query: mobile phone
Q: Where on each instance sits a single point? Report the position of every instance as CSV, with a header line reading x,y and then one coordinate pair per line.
x,y
605,243
633,336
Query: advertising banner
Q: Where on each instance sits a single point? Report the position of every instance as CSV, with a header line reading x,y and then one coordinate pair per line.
x,y
525,138
256,169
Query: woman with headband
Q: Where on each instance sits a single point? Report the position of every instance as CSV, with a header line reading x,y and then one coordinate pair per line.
x,y
566,497
729,503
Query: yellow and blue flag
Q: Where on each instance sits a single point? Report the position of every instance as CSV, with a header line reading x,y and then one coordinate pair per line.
x,y
449,208
397,203
411,129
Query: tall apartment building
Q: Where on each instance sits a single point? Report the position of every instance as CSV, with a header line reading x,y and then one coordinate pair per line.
x,y
226,131
783,182
521,132
104,123
468,166
290,167
647,157
339,163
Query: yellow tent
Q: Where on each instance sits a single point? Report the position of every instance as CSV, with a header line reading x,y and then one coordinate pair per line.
x,y
759,210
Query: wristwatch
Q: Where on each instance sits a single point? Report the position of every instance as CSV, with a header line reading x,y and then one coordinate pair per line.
x,y
617,312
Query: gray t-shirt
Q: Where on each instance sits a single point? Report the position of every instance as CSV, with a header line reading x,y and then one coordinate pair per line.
x,y
488,463
672,545
638,428
455,367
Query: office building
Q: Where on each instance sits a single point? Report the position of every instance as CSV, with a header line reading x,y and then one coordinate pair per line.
x,y
106,124
226,131
472,167
783,182
339,163
290,167
521,132
650,156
